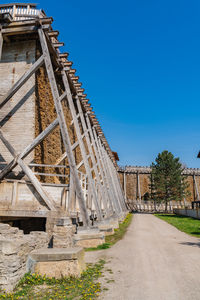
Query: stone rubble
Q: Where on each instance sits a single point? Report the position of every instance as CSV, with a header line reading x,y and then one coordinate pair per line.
x,y
14,249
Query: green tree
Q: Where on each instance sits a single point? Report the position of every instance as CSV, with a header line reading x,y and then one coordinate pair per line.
x,y
167,181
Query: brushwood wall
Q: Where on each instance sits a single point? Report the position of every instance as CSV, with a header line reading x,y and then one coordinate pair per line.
x,y
135,181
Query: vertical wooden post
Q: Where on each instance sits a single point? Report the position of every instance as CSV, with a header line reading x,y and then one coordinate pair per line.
x,y
14,11
1,43
72,196
196,187
138,184
125,184
63,127
81,144
194,196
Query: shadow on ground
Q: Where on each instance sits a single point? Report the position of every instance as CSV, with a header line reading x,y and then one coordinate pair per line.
x,y
191,244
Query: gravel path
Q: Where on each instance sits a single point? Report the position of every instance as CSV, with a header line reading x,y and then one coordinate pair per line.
x,y
154,261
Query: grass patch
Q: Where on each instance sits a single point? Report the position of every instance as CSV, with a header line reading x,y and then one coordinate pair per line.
x,y
40,287
110,240
186,224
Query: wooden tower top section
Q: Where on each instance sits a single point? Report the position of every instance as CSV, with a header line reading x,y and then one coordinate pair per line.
x,y
21,11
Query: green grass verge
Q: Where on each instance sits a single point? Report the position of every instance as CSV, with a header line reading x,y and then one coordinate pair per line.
x,y
118,235
186,224
40,287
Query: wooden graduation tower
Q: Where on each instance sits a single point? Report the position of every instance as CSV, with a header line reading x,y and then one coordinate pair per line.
x,y
54,158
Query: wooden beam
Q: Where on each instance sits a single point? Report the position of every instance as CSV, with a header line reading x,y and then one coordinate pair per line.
x,y
22,80
103,191
31,146
63,127
77,85
22,30
1,43
113,195
81,145
53,33
57,45
63,55
35,182
68,63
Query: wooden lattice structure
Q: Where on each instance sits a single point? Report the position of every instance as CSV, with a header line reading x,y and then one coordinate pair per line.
x,y
135,181
52,145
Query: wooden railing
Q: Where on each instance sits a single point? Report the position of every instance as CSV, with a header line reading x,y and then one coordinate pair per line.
x,y
56,174
21,11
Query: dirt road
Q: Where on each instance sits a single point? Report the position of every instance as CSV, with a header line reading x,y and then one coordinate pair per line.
x,y
154,261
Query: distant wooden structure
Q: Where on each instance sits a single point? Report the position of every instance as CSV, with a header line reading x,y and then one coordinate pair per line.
x,y
135,181
54,157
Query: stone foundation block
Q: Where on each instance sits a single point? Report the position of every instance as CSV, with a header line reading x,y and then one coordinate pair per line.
x,y
89,238
106,228
57,262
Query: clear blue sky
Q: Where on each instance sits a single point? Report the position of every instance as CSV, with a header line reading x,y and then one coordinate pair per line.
x,y
139,62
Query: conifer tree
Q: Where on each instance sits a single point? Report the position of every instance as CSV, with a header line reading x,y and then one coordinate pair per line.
x,y
167,180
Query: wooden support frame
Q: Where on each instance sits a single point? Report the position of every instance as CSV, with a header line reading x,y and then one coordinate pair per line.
x,y
22,80
35,182
102,189
100,164
81,144
63,126
107,173
113,179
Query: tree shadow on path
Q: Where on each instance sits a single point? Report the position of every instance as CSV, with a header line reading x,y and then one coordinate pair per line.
x,y
191,244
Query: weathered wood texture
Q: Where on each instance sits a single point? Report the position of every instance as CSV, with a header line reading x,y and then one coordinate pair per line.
x,y
132,191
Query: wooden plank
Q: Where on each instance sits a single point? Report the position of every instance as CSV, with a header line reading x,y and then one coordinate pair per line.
x,y
22,30
22,80
53,33
1,43
57,45
63,127
35,182
48,166
51,174
81,145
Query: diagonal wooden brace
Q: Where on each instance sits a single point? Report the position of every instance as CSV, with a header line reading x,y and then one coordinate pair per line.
x,y
35,182
63,126
29,148
22,80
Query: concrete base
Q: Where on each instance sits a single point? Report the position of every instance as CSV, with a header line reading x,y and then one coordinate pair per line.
x,y
87,238
108,225
57,262
107,228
